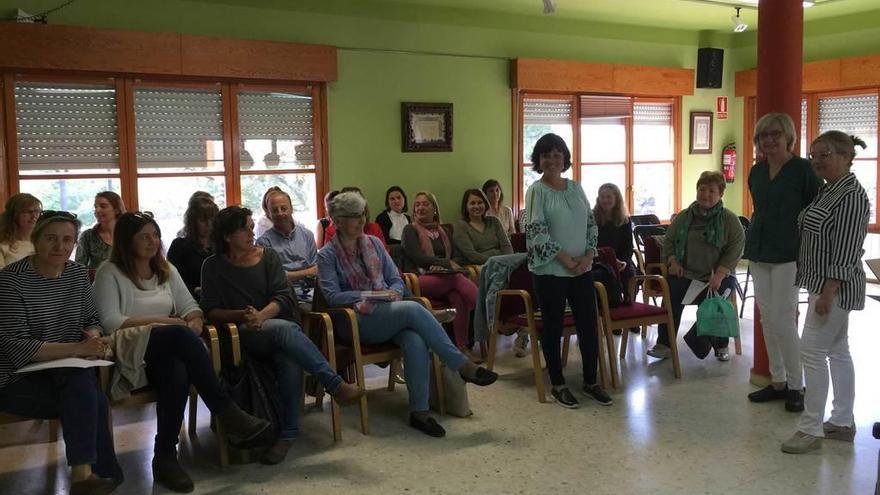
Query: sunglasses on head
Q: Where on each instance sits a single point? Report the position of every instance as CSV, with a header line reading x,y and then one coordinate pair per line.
x,y
143,215
57,213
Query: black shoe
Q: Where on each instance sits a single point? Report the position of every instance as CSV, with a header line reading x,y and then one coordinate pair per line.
x,y
564,398
243,430
635,329
768,394
617,331
482,377
93,486
598,394
167,472
794,401
429,426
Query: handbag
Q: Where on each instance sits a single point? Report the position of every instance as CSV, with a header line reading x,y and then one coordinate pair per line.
x,y
716,317
454,394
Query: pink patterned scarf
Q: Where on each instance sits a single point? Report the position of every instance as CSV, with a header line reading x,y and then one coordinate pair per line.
x,y
361,276
427,233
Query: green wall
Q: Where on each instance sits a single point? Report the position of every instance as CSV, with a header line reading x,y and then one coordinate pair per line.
x,y
401,52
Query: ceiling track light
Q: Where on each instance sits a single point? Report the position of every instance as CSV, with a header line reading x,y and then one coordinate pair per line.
x,y
549,7
738,25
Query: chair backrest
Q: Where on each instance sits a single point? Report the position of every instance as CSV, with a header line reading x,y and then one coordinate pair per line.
x,y
520,279
653,250
518,242
649,219
642,232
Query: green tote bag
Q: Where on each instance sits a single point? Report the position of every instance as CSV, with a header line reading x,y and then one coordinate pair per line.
x,y
716,317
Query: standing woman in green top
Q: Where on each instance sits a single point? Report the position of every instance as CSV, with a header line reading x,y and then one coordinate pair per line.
x,y
561,240
781,185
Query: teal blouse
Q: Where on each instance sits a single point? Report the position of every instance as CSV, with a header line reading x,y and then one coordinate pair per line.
x,y
554,221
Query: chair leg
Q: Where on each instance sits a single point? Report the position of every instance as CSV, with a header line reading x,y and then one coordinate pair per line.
x,y
222,443
335,420
566,347
392,372
193,410
365,417
601,365
493,343
624,339
609,344
438,383
737,343
673,346
536,364
53,430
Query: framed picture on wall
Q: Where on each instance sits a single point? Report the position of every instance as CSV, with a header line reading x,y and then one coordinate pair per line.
x,y
426,126
701,133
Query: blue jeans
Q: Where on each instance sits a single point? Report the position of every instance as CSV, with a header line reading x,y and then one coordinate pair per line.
x,y
291,351
72,395
415,330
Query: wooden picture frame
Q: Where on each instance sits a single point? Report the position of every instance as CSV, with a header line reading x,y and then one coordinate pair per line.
x,y
425,126
701,133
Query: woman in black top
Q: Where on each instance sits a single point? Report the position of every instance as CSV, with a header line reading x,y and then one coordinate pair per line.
x,y
188,252
615,230
394,218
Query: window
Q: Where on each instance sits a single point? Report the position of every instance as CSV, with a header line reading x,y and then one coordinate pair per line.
x,y
157,142
624,140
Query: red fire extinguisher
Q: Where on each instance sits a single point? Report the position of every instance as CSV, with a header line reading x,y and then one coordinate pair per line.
x,y
728,162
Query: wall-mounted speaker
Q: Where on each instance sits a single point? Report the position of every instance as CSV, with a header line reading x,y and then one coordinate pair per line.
x,y
710,67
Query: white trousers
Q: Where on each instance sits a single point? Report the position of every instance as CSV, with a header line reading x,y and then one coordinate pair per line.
x,y
777,297
825,340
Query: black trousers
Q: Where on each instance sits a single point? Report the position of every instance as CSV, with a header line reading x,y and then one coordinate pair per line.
x,y
176,358
72,395
553,292
678,287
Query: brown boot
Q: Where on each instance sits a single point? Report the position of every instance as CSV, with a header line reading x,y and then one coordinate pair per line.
x,y
93,486
347,393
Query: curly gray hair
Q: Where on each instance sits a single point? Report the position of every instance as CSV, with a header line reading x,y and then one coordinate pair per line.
x,y
347,204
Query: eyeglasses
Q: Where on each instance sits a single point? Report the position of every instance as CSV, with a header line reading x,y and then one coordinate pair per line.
x,y
57,213
774,135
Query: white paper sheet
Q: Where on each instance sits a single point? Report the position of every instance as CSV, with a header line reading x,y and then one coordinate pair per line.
x,y
874,265
693,291
64,363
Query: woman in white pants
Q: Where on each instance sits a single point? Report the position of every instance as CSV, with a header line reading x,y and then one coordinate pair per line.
x,y
781,185
833,229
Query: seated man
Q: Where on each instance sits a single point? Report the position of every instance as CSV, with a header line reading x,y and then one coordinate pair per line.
x,y
294,243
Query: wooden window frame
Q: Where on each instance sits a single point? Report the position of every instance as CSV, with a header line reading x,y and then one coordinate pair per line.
x,y
128,175
520,161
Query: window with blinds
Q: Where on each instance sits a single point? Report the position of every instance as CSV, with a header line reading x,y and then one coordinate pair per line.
x,y
66,127
178,130
276,130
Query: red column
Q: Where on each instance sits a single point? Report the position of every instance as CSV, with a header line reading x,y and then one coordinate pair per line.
x,y
780,71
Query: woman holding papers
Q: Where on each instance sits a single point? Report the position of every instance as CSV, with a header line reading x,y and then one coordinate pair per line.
x,y
246,285
355,271
143,301
47,313
703,245
829,265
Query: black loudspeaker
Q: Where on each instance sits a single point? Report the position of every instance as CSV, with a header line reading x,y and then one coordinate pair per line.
x,y
710,65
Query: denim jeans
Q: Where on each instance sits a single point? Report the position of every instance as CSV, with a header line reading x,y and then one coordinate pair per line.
x,y
415,330
291,351
72,395
176,358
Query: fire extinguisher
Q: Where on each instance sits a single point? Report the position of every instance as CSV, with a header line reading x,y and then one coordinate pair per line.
x,y
728,162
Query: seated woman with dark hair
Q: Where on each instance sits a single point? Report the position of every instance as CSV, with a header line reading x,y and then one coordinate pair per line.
x,y
427,251
187,253
47,312
246,284
478,236
394,218
354,264
704,242
143,300
495,197
94,244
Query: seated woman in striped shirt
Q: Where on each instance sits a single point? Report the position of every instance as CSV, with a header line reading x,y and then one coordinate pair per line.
x,y
829,265
47,312
142,296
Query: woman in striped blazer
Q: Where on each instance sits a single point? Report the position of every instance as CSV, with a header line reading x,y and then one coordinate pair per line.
x,y
833,229
47,312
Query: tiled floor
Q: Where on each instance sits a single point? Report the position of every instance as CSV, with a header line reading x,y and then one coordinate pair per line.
x,y
696,435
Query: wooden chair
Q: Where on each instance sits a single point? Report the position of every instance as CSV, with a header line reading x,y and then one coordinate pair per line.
x,y
353,355
515,309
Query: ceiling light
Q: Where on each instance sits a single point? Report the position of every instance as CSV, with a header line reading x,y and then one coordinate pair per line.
x,y
549,7
809,3
738,25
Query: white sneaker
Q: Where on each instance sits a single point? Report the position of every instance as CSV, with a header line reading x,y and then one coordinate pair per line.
x,y
521,344
722,354
660,351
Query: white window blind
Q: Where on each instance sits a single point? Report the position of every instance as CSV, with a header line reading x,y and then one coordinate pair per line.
x,y
65,126
283,119
854,114
652,113
546,112
178,127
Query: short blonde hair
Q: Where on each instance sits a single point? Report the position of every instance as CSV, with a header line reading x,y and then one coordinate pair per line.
x,y
712,178
433,200
783,120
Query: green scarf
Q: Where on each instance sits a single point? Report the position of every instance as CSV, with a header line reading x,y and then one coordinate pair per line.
x,y
713,234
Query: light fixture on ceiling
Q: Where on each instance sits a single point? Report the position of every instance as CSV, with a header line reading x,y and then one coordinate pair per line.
x,y
549,7
738,25
809,3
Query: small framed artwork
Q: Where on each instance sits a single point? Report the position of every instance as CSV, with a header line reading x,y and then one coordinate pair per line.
x,y
701,133
426,126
